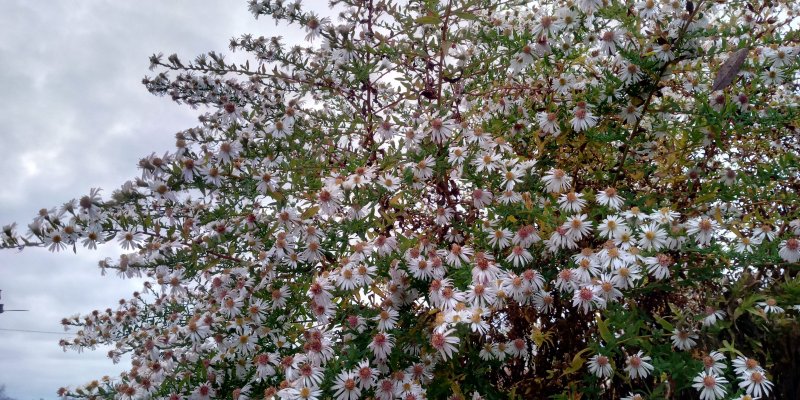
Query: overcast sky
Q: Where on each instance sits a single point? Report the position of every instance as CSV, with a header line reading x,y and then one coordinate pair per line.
x,y
74,115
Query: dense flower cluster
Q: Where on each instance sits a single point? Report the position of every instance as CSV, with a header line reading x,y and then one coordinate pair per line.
x,y
463,198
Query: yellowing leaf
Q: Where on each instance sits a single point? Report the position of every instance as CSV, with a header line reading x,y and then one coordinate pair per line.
x,y
429,20
310,212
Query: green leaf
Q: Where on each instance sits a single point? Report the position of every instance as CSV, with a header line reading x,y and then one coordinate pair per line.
x,y
466,15
602,326
664,323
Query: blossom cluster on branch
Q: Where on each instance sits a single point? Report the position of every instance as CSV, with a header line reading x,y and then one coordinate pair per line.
x,y
463,199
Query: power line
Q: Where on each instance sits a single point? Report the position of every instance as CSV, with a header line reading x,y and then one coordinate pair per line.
x,y
34,331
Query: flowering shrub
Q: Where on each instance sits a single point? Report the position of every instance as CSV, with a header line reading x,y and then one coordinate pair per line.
x,y
464,199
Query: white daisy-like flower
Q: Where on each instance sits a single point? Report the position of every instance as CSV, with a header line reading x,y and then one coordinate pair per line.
x,y
746,245
548,122
630,114
713,362
381,345
586,298
583,118
571,202
389,182
755,383
556,180
345,387
440,130
658,266
422,169
637,365
652,237
488,162
578,226
703,229
519,256
630,73
770,306
509,197
683,339
626,277
500,237
710,385
712,316
481,198
610,198
543,301
611,226
790,250
647,9
600,366
445,343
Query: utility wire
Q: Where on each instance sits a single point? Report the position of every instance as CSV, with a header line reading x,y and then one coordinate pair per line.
x,y
34,331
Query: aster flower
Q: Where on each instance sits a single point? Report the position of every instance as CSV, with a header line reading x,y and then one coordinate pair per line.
x,y
387,319
548,122
703,229
345,386
611,226
556,181
630,114
519,256
457,155
637,366
746,245
445,343
652,237
456,255
578,226
600,366
630,73
488,162
543,301
481,198
790,250
647,9
683,339
422,169
710,385
481,295
571,202
204,392
440,130
511,176
526,236
607,290
713,362
770,306
509,197
585,299
583,118
443,215
626,276
609,198
381,345
500,238
712,316
658,266
755,383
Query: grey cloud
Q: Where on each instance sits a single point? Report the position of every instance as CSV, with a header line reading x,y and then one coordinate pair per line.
x,y
73,115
